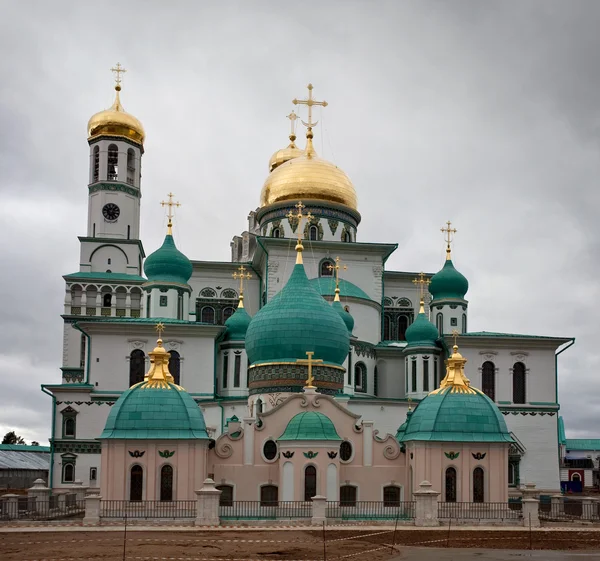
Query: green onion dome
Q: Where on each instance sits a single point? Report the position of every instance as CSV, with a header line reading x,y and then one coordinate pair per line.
x,y
448,283
310,425
237,324
168,264
346,317
297,320
421,332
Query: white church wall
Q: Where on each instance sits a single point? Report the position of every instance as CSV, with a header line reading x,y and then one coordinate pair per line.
x,y
109,258
390,376
386,416
71,346
366,320
90,249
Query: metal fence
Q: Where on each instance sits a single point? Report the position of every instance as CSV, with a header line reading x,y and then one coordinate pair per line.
x,y
255,510
148,509
371,510
32,508
569,510
480,511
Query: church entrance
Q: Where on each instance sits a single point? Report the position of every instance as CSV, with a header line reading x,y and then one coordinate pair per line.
x,y
310,482
136,483
166,483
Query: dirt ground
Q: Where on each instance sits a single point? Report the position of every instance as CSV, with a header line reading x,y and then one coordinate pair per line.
x,y
215,545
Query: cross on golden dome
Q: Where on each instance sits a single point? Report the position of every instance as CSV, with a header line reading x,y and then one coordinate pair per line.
x,y
241,276
299,216
336,271
448,237
309,103
118,70
170,204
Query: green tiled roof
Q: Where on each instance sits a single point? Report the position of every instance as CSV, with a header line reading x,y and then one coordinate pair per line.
x,y
151,321
121,277
23,448
325,286
582,444
168,264
457,417
421,332
237,325
143,413
516,335
448,283
310,425
346,316
297,320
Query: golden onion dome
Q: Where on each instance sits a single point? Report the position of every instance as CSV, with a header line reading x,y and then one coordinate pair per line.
x,y
307,177
116,122
285,154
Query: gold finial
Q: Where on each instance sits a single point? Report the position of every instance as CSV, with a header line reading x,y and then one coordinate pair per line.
x,y
159,376
448,238
160,328
456,379
170,204
299,216
118,70
336,271
410,404
309,361
241,275
455,334
422,281
309,125
292,117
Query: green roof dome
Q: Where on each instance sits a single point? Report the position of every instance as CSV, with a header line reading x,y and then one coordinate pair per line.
x,y
325,286
168,264
421,332
346,317
448,283
402,428
310,425
452,416
237,324
295,321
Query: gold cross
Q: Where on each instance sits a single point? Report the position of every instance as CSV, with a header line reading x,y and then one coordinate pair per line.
x,y
241,276
422,281
170,204
309,103
292,117
310,361
118,70
160,327
448,237
299,216
455,334
336,271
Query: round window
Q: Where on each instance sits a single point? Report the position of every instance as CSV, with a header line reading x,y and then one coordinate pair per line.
x,y
345,451
270,450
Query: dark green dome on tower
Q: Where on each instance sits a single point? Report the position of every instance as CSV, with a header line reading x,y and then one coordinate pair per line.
x,y
448,283
346,316
421,332
168,264
237,324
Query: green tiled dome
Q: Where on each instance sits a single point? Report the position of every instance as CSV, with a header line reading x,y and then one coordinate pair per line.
x,y
421,332
310,425
448,283
452,416
237,325
346,317
166,413
325,286
168,264
295,321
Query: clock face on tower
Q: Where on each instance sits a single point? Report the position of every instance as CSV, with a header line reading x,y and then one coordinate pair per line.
x,y
111,212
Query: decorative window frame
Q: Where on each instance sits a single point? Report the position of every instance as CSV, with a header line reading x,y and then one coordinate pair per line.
x,y
362,388
352,453
69,413
262,450
158,483
392,484
68,459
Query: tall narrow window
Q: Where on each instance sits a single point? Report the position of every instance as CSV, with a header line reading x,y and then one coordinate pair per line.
x,y
276,233
325,268
113,163
350,367
227,313
69,429
175,366
259,405
464,323
107,300
130,166
136,483
96,164
425,374
414,375
207,315
347,495
94,230
128,232
360,377
179,306
166,483
148,301
436,380
269,495
225,370
137,367
478,487
439,323
68,473
450,485
237,366
387,328
402,327
313,233
518,382
488,379
82,352
375,382
310,482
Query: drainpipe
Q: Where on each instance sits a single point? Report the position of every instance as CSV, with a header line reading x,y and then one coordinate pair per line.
x,y
51,471
266,273
89,351
556,388
219,338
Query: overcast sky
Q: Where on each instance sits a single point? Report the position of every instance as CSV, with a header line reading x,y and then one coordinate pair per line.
x,y
484,113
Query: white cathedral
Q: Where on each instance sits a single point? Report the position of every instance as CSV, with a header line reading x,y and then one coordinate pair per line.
x,y
118,295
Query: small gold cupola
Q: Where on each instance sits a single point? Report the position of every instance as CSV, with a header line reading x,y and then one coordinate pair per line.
x,y
159,376
291,151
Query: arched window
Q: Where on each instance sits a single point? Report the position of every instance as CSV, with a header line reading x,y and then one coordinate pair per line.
x,y
310,482
229,293
313,233
96,164
345,451
464,323
391,495
375,382
226,497
402,327
166,483
325,268
439,323
276,233
107,300
269,495
136,483
130,166
387,328
137,367
488,379
227,313
113,163
478,487
68,473
346,236
450,485
347,495
360,377
413,376
425,374
576,477
518,382
207,315
174,366
225,370
259,405
208,293
69,430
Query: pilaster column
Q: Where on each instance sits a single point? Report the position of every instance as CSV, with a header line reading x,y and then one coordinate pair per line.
x,y
367,443
249,441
